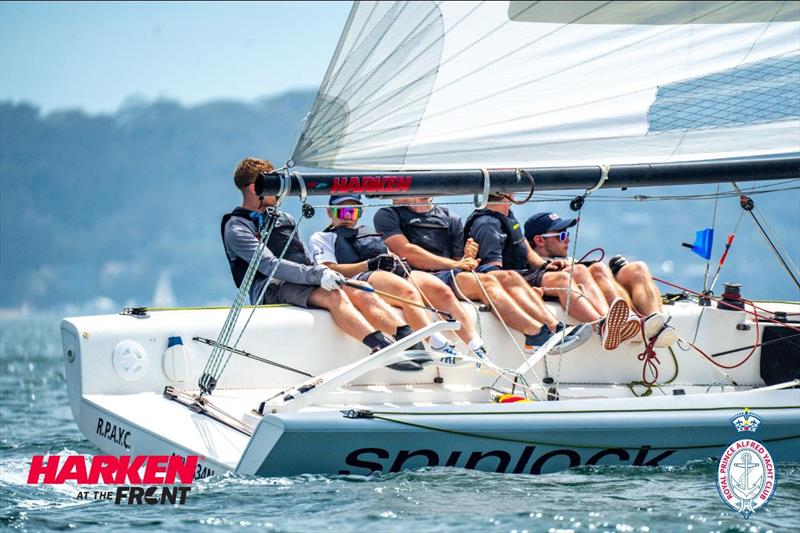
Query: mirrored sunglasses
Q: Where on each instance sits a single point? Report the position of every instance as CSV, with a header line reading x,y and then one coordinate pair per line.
x,y
562,236
347,213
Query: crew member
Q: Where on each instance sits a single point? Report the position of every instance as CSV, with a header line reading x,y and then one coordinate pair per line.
x,y
431,238
297,280
360,253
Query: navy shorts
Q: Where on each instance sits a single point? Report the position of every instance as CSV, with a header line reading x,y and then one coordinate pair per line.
x,y
448,277
362,276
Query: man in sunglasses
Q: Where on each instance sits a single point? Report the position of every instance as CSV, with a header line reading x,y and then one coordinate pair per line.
x,y
359,253
548,235
297,280
431,238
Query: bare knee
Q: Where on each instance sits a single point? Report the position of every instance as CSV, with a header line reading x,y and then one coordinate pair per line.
x,y
407,291
637,270
511,279
600,271
329,299
439,292
555,279
581,273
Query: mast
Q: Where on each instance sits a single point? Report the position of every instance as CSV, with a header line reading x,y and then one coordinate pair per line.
x,y
475,181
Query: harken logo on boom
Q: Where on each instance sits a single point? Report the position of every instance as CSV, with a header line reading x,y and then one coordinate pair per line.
x,y
371,184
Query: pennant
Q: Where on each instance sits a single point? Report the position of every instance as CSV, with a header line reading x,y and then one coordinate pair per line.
x,y
703,242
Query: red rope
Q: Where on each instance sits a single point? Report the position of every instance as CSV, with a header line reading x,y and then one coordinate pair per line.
x,y
650,360
740,363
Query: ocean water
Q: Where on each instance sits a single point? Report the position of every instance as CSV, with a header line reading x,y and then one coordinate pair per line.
x,y
35,419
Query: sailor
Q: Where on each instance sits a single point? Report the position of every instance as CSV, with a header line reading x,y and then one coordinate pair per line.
x,y
548,235
297,280
431,238
358,252
502,249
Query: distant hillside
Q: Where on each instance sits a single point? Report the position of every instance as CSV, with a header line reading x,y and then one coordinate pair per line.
x,y
96,209
99,205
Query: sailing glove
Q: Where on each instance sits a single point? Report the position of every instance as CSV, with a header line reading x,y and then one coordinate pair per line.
x,y
381,262
401,268
331,280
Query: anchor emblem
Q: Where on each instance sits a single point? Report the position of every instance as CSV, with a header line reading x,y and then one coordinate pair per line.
x,y
745,488
746,476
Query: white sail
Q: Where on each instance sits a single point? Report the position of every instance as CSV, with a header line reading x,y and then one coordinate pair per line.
x,y
518,84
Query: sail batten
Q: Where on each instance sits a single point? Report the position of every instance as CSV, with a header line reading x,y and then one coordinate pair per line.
x,y
529,84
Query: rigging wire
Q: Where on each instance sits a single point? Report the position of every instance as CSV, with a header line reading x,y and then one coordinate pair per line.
x,y
208,378
748,205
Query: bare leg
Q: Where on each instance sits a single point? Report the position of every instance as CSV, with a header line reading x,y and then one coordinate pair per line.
x,y
528,299
375,310
390,283
343,312
637,280
441,297
506,307
579,307
582,276
605,280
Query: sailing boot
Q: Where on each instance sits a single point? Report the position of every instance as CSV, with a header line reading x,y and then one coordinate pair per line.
x,y
378,341
415,352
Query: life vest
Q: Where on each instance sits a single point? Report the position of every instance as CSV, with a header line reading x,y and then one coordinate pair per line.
x,y
430,231
277,240
513,257
354,245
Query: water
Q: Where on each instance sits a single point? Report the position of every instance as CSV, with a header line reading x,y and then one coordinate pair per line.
x,y
35,419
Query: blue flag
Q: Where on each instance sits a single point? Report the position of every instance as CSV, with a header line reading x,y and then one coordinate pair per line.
x,y
703,242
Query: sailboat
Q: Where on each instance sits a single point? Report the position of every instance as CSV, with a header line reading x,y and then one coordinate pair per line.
x,y
470,98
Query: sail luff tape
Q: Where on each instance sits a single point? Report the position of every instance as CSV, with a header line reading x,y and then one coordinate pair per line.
x,y
486,186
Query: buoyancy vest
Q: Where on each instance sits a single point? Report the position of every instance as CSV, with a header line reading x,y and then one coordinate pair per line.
x,y
277,240
513,257
430,230
354,245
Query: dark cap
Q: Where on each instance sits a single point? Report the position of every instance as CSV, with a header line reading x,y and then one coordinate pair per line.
x,y
545,222
337,199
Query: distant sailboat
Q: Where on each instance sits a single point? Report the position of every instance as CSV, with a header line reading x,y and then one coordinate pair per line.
x,y
163,295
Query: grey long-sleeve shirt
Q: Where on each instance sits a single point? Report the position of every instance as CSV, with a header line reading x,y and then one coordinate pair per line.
x,y
241,240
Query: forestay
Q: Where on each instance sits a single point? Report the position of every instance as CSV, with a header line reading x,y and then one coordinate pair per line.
x,y
457,85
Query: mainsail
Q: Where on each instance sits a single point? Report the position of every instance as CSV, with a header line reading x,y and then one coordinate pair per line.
x,y
457,85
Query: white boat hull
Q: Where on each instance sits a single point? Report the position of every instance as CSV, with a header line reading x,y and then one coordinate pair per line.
x,y
438,417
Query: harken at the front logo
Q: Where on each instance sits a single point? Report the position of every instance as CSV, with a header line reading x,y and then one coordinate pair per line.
x,y
746,476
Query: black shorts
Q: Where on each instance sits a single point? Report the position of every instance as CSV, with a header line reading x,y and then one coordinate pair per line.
x,y
533,276
283,292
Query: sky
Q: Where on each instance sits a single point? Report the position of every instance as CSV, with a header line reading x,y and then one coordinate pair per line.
x,y
95,55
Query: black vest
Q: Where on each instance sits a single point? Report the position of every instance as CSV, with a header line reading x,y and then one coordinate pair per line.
x,y
277,240
513,257
354,245
430,231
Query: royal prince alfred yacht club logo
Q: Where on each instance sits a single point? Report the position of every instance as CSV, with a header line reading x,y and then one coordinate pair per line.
x,y
746,473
